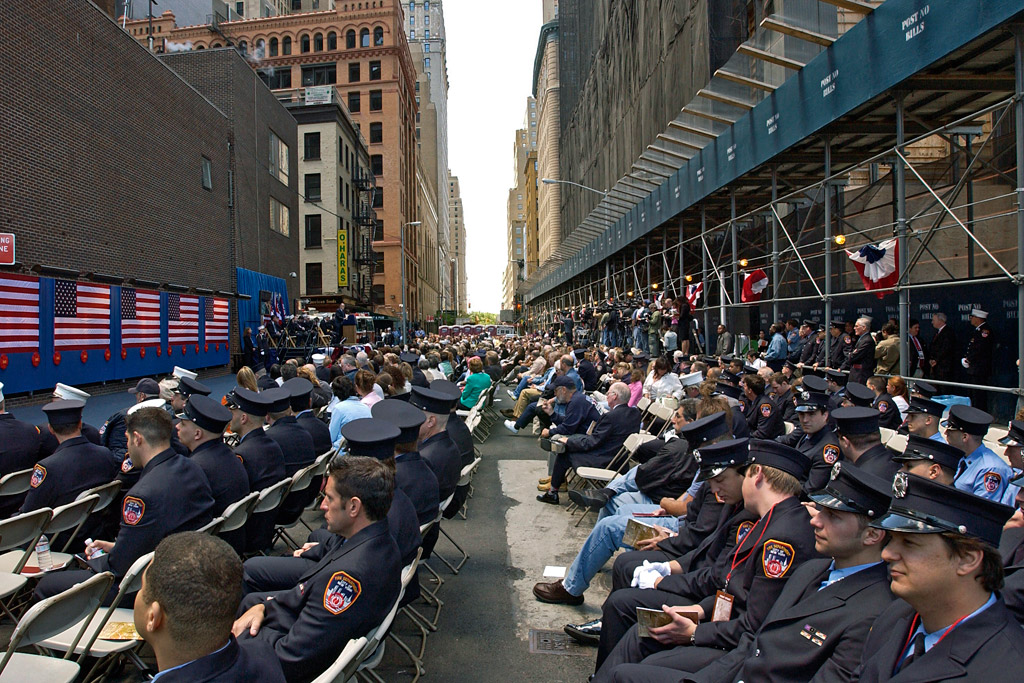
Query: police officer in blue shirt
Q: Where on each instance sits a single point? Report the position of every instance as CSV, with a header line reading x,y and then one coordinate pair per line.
x,y
923,417
943,544
981,471
930,459
261,456
201,428
171,495
301,391
861,442
76,466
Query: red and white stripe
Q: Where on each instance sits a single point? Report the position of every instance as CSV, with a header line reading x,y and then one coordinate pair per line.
x,y
19,313
217,328
185,330
90,327
145,329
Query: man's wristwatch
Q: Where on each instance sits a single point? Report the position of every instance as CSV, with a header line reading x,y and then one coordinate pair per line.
x,y
693,639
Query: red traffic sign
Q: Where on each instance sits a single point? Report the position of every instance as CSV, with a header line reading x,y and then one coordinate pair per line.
x,y
6,248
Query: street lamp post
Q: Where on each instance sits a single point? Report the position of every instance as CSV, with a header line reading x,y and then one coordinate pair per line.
x,y
404,323
552,181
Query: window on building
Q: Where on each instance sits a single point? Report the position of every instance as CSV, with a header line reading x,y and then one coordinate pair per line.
x,y
378,267
296,5
276,78
279,217
240,8
426,47
376,100
314,278
378,290
417,87
378,231
278,158
350,39
312,192
377,164
318,42
412,21
286,45
378,199
353,72
313,238
426,6
273,47
364,38
320,74
426,34
412,7
412,34
304,44
426,62
376,132
207,168
353,102
426,20
332,41
375,71
311,146
243,47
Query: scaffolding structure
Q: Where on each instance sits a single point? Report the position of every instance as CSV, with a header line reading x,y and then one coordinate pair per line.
x,y
935,163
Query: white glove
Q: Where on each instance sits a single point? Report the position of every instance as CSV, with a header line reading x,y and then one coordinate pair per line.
x,y
645,575
963,362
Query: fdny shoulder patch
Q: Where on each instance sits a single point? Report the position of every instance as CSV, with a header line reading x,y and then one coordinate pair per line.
x,y
132,510
342,591
742,530
830,453
766,410
882,406
991,481
38,475
984,333
776,558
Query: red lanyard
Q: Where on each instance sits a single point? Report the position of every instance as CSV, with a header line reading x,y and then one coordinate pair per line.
x,y
737,562
913,628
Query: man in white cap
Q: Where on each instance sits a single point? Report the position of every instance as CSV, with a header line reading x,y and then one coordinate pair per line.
x,y
977,361
65,392
20,444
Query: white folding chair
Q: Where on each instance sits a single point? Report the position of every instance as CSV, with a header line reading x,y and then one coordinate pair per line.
x,y
15,483
662,412
212,527
301,481
454,568
236,514
886,433
106,493
788,427
21,532
344,667
42,620
466,479
69,516
270,500
408,573
82,636
375,644
897,442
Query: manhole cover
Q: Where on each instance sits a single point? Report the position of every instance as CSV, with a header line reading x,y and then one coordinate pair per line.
x,y
556,643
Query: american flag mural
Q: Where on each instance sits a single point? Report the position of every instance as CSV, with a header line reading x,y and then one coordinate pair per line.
x,y
216,320
81,315
19,313
182,319
140,317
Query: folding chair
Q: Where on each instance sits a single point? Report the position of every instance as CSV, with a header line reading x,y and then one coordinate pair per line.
x,y
897,442
344,667
270,500
789,427
236,514
660,411
375,645
106,493
466,479
465,556
300,482
212,527
21,532
82,637
408,573
70,516
886,433
429,596
44,619
15,483
597,477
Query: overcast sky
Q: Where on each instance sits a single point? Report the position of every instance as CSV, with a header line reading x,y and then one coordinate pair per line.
x,y
491,46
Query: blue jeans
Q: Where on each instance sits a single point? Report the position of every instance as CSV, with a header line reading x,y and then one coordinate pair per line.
x,y
626,492
523,383
604,539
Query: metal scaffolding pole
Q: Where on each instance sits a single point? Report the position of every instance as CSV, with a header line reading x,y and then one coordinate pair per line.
x,y
704,273
827,188
607,277
647,260
901,235
1018,72
682,266
735,253
775,246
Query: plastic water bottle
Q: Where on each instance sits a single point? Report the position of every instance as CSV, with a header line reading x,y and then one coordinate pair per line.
x,y
43,553
96,552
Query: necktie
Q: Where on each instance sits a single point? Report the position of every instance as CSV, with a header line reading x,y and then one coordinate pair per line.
x,y
917,652
960,468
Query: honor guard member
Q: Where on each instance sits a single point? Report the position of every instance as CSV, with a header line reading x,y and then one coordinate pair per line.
x,y
809,353
461,437
923,418
301,391
836,380
861,442
261,456
112,432
201,429
977,360
840,346
171,495
349,591
858,395
930,459
186,607
295,442
861,361
436,446
76,466
981,471
824,614
64,392
412,474
20,444
764,419
819,442
779,542
943,544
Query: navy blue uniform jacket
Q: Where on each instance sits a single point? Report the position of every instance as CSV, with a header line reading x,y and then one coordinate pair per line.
x,y
442,455
77,465
254,661
414,477
316,428
349,591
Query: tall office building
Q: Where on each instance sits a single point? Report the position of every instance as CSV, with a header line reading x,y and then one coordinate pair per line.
x,y
518,195
546,90
458,257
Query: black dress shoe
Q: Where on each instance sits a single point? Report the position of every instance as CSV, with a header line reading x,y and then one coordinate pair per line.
x,y
592,501
551,497
586,634
508,412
